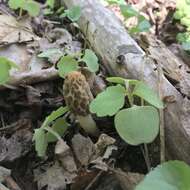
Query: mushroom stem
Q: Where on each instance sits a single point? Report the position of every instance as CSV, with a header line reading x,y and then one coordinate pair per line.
x,y
88,124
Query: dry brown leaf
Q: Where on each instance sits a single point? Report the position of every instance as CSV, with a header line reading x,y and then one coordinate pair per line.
x,y
13,31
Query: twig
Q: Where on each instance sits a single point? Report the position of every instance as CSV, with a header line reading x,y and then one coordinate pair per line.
x,y
162,129
18,124
90,185
10,182
2,187
146,156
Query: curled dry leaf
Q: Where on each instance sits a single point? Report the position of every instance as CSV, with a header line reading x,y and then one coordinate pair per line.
x,y
87,152
64,153
83,148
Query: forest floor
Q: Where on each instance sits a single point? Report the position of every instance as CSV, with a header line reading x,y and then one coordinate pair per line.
x,y
35,90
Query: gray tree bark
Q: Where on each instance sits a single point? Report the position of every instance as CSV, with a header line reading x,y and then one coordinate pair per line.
x,y
121,56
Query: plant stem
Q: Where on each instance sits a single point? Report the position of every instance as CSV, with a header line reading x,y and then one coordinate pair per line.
x,y
146,156
130,98
146,152
20,12
53,132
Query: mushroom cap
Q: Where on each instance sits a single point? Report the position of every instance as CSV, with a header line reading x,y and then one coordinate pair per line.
x,y
77,94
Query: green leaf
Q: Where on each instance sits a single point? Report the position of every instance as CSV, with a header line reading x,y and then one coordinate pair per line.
x,y
117,2
138,124
15,4
134,30
48,11
60,126
54,115
91,60
40,142
32,7
182,37
120,80
66,65
50,3
179,14
5,66
4,72
60,10
128,11
186,46
74,13
185,21
172,175
50,52
144,91
63,15
143,26
109,101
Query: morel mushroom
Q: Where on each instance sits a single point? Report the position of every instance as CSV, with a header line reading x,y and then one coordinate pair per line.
x,y
77,95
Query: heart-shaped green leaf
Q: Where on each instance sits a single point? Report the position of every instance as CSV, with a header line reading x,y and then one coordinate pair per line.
x,y
15,4
144,91
109,101
138,124
74,13
66,65
172,175
91,60
128,11
32,7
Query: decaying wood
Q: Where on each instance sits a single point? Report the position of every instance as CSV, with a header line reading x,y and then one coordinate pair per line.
x,y
121,56
31,77
97,84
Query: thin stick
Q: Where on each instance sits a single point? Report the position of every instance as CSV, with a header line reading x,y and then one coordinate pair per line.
x,y
145,151
146,156
161,112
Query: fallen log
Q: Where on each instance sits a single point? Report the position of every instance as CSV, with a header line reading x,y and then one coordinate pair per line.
x,y
121,56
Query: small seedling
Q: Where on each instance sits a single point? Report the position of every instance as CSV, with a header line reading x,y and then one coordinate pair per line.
x,y
5,66
46,134
135,124
73,13
128,11
70,63
183,14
